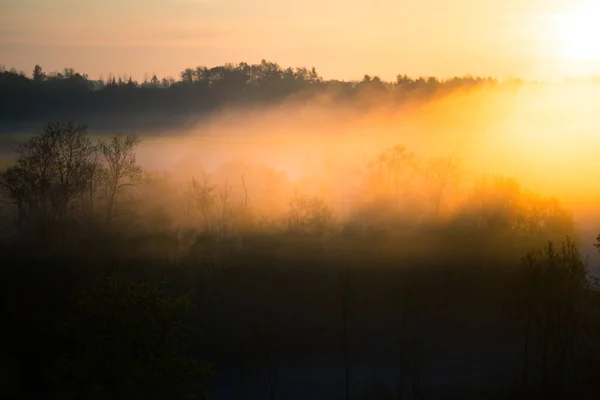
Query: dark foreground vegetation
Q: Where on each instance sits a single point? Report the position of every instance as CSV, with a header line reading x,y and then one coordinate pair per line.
x,y
123,284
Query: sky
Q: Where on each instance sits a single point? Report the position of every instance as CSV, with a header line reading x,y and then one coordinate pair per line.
x,y
343,39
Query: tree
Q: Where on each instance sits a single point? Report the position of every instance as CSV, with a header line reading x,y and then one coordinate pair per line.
x,y
266,346
442,171
121,168
310,216
390,173
314,76
408,340
69,73
167,82
223,210
38,74
553,290
348,309
203,195
51,173
188,76
128,340
93,183
131,83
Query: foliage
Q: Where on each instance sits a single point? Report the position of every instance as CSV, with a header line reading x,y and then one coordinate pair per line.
x,y
310,216
129,343
51,173
237,235
499,214
59,173
198,89
553,298
121,167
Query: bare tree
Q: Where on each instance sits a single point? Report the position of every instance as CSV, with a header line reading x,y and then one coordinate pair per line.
x,y
553,292
391,172
121,168
245,204
443,171
203,193
310,216
223,210
52,171
242,213
93,184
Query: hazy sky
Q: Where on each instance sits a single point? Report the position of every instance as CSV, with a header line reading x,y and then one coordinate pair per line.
x,y
341,38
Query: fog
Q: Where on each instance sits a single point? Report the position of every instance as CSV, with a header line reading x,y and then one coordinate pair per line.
x,y
319,236
542,135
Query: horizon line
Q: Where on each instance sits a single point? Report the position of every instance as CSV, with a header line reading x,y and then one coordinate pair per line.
x,y
126,76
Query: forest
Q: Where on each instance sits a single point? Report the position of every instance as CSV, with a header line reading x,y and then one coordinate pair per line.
x,y
197,91
410,278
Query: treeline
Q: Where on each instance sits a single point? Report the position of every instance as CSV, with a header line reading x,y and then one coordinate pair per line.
x,y
119,283
70,94
64,183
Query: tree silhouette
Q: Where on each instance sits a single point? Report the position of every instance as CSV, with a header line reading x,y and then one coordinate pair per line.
x,y
443,172
124,334
38,74
348,311
121,168
129,339
50,175
310,216
553,294
200,88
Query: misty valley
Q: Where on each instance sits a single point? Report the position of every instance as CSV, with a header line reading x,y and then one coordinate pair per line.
x,y
256,232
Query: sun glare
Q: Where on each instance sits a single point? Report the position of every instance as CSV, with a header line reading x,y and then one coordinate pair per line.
x,y
579,33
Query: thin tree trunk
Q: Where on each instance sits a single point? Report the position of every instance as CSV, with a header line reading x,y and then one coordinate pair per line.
x,y
111,202
402,358
345,344
526,353
346,315
271,381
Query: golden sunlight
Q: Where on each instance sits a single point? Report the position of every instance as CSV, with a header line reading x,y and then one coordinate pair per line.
x,y
579,32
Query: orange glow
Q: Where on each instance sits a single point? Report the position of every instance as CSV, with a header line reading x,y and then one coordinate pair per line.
x,y
544,136
344,40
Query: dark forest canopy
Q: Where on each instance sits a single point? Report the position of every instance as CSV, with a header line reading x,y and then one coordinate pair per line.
x,y
72,94
120,283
